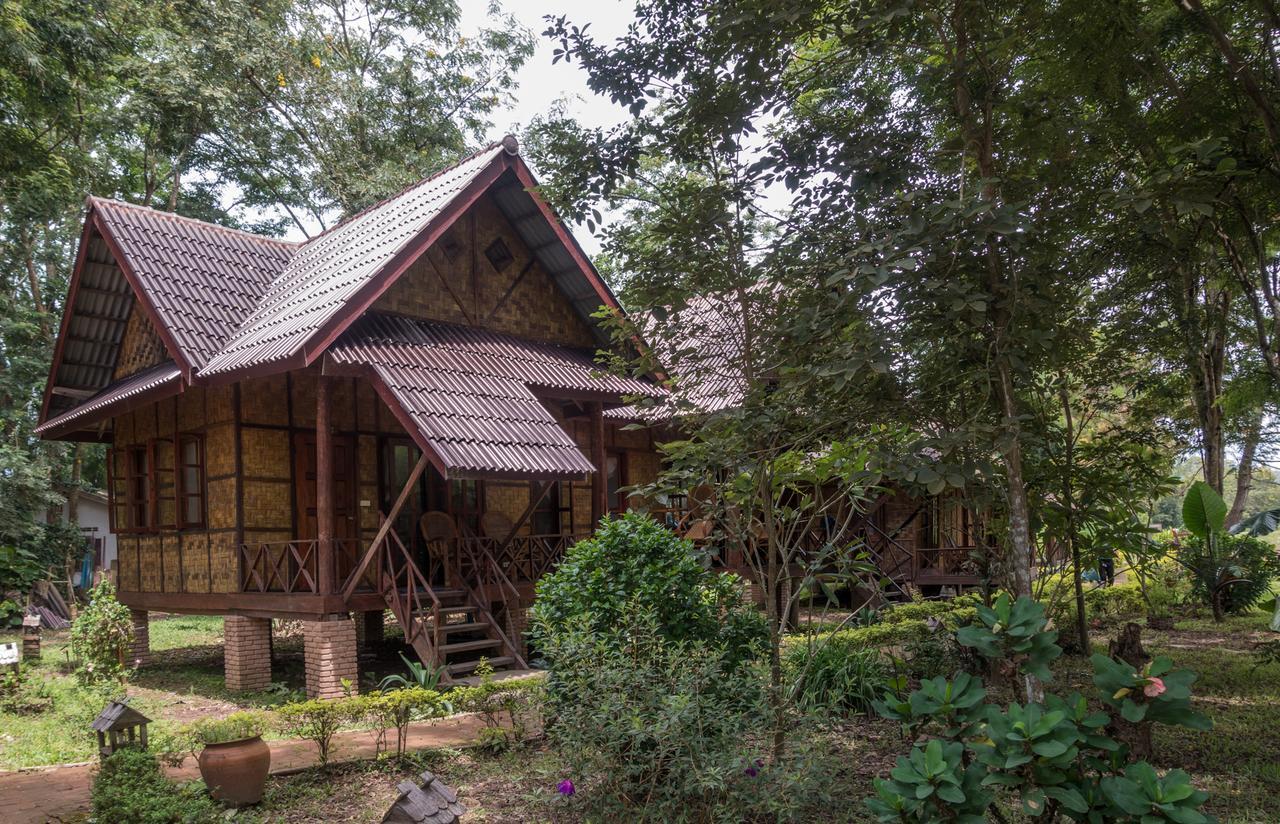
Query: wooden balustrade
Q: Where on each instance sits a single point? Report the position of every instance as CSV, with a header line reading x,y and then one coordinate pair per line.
x,y
278,566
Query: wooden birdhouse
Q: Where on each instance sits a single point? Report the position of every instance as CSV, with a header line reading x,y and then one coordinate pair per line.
x,y
120,725
428,803
31,637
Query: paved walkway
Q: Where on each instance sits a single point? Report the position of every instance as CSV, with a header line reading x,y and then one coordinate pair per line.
x,y
54,794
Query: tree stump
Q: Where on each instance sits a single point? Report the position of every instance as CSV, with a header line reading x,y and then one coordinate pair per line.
x,y
1127,647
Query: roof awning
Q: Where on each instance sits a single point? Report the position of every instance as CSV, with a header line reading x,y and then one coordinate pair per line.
x,y
159,381
472,398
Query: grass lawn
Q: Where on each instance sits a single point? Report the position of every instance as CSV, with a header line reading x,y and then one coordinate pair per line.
x,y
1238,762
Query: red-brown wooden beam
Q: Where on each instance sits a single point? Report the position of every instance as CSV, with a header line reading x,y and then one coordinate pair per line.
x,y
324,484
600,480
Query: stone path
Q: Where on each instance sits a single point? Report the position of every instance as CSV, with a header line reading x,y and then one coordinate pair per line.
x,y
54,794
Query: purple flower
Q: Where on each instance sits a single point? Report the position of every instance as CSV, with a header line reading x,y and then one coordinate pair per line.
x,y
566,788
751,772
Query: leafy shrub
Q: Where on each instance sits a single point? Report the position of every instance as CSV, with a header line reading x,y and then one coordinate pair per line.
x,y
635,565
130,787
101,635
1119,602
318,721
937,653
509,707
235,727
1250,560
837,679
655,729
396,709
1054,756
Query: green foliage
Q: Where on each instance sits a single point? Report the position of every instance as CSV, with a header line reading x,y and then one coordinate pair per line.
x,y
235,727
21,694
420,676
1158,694
931,784
318,721
1238,567
1204,513
1055,756
1150,798
655,729
836,679
634,565
130,787
101,635
1013,633
510,708
396,709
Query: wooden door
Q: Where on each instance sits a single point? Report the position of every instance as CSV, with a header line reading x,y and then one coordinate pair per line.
x,y
344,487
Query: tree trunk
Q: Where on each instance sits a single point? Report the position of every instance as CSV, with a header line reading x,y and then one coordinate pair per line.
x,y
1068,493
1244,472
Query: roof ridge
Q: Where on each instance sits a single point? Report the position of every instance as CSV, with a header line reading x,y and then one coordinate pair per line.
x,y
94,199
409,188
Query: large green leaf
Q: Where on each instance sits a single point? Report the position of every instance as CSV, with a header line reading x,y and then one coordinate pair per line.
x,y
1203,510
1259,525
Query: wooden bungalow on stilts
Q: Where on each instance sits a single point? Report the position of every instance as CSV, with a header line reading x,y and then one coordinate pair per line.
x,y
402,413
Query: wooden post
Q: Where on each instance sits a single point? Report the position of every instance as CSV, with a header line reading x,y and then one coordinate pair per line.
x,y
599,481
324,486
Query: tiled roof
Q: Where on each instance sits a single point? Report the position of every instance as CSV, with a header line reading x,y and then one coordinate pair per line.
x,y
202,279
115,396
708,360
329,271
473,395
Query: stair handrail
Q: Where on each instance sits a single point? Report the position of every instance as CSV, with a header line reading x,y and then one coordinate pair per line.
x,y
482,602
416,581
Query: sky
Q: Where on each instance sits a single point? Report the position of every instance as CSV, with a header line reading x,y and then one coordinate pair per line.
x,y
543,83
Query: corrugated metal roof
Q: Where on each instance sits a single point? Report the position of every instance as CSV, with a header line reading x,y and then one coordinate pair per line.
x,y
202,279
333,267
114,396
709,363
473,394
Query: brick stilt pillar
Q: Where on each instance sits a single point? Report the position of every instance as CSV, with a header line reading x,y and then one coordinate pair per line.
x,y
330,651
369,629
248,653
140,649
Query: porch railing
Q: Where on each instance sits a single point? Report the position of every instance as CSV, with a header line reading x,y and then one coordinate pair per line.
x,y
290,567
952,563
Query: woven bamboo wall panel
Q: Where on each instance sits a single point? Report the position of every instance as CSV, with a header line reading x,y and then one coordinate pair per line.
x,y
191,408
268,505
582,509
144,424
343,409
127,562
221,505
369,514
367,448
166,416
265,453
509,500
219,450
535,309
367,403
262,400
171,549
149,558
642,467
141,346
195,562
220,404
224,562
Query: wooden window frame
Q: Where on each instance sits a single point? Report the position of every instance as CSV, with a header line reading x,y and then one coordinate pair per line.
x,y
180,489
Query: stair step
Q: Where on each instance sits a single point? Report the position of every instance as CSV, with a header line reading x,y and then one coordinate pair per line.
x,y
502,675
461,609
467,646
468,666
464,626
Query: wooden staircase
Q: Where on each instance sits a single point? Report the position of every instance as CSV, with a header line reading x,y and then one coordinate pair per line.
x,y
449,628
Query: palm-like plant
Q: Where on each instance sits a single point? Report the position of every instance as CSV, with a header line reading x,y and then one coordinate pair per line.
x,y
419,676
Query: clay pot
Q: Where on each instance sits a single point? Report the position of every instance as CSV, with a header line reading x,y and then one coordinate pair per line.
x,y
236,771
